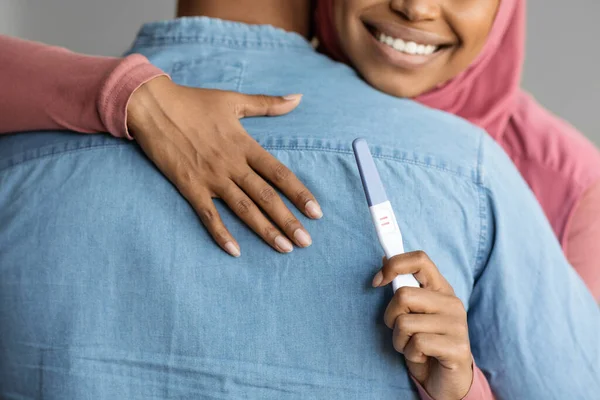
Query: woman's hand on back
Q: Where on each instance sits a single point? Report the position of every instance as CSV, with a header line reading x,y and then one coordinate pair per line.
x,y
195,138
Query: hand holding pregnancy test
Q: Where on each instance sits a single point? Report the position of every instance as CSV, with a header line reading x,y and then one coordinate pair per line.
x,y
382,213
438,320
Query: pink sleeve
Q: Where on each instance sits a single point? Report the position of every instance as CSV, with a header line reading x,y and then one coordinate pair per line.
x,y
480,388
45,87
583,238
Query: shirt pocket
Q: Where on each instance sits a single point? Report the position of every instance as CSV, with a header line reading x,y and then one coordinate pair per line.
x,y
209,74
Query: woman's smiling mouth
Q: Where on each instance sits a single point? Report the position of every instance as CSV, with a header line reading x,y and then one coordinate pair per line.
x,y
406,47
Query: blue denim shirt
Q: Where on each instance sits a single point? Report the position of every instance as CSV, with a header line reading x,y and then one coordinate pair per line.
x,y
110,287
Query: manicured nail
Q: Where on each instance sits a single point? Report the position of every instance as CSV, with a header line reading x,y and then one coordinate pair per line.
x,y
302,238
284,245
313,210
232,249
292,97
378,279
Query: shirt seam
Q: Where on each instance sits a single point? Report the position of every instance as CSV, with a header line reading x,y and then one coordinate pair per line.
x,y
380,156
216,41
241,77
267,147
52,154
483,214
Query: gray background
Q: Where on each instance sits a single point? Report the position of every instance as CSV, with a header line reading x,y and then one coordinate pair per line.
x,y
562,55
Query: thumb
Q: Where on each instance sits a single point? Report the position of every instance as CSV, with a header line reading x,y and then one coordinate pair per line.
x,y
259,105
420,372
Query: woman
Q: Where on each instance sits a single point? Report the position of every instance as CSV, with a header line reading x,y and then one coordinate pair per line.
x,y
378,281
465,57
452,378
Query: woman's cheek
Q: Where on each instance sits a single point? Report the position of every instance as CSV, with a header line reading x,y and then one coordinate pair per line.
x,y
472,21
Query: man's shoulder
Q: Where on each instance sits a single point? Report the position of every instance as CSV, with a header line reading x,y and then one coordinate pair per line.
x,y
337,107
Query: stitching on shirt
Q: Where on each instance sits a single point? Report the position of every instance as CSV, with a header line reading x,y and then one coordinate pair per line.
x,y
380,156
480,160
480,257
56,152
180,73
483,212
241,77
51,154
213,41
481,254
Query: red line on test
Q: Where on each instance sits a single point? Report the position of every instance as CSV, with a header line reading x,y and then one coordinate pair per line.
x,y
381,219
384,224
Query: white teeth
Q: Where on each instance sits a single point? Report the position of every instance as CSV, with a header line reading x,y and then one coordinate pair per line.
x,y
411,48
399,44
429,49
407,47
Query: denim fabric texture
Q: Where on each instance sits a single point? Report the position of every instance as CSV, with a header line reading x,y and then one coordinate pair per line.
x,y
110,288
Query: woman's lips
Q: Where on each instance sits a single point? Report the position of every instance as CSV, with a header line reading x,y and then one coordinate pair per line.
x,y
399,31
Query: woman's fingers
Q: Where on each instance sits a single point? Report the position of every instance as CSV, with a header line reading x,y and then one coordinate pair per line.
x,y
408,300
283,179
420,266
212,221
451,353
270,202
262,161
195,138
202,203
245,105
407,325
248,212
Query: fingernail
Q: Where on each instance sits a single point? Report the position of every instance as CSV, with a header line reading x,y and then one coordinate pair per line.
x,y
378,279
284,245
313,210
232,249
292,97
302,238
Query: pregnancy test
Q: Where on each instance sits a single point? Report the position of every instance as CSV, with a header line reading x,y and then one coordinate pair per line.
x,y
382,213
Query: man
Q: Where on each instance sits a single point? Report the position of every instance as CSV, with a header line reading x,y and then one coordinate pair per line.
x,y
111,289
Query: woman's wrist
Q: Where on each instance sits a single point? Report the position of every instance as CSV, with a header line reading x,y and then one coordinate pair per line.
x,y
144,104
117,88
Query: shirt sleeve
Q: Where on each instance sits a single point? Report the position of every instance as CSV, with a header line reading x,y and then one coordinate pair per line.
x,y
480,388
46,87
583,238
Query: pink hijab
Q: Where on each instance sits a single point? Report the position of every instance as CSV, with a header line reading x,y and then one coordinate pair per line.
x,y
557,162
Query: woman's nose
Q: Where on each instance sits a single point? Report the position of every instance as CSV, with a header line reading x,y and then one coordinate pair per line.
x,y
417,10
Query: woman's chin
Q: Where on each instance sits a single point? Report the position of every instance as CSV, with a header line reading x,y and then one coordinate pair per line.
x,y
402,87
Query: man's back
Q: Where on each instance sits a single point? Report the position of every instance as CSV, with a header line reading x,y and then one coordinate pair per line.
x,y
127,297
428,160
